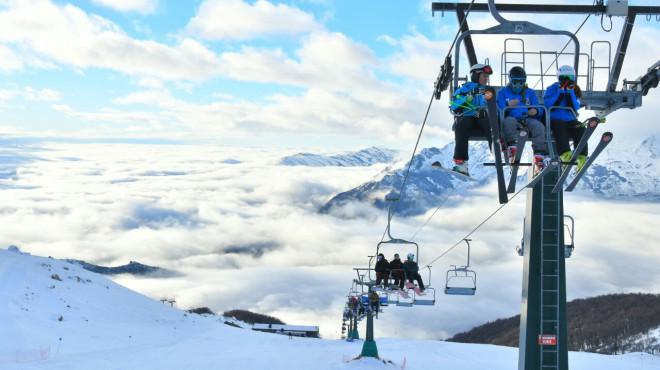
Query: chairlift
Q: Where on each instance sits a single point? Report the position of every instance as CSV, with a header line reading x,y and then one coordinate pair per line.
x,y
520,249
405,244
405,299
427,298
570,230
461,280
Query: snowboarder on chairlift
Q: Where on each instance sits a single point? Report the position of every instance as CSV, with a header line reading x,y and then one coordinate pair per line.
x,y
517,94
396,268
411,270
382,270
566,93
469,106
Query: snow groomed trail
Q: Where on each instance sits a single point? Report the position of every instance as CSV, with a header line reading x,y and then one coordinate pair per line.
x,y
105,326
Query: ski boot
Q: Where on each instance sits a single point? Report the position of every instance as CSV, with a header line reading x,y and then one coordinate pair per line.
x,y
461,166
565,157
540,162
510,152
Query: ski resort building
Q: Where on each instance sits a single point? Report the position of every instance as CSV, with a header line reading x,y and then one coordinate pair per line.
x,y
294,330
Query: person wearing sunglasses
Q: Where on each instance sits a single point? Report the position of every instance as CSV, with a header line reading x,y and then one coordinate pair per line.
x,y
469,107
565,126
517,96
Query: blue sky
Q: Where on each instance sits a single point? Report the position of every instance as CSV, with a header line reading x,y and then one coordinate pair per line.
x,y
305,72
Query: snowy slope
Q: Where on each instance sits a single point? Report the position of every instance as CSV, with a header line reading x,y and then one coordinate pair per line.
x,y
105,326
365,157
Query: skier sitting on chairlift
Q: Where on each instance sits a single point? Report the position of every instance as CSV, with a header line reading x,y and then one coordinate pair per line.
x,y
374,301
382,270
469,107
396,267
411,269
518,94
564,124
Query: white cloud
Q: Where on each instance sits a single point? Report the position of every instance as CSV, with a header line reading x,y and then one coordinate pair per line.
x,y
29,93
9,61
181,207
419,57
239,20
140,6
68,35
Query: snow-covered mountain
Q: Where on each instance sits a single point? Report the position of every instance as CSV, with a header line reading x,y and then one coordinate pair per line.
x,y
364,157
57,316
626,174
426,186
617,175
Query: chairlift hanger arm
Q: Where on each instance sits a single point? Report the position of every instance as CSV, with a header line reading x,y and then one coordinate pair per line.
x,y
539,8
469,46
620,55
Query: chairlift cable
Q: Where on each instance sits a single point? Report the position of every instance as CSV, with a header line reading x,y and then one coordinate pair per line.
x,y
419,136
475,228
412,238
405,178
561,52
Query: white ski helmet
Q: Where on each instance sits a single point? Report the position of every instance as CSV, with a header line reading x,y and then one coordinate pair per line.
x,y
478,68
411,256
567,71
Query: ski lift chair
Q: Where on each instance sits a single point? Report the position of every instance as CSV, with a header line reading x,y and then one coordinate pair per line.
x,y
461,280
428,297
569,248
405,301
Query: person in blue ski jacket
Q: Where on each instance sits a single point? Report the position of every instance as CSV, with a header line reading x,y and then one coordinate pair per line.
x,y
469,105
517,94
565,126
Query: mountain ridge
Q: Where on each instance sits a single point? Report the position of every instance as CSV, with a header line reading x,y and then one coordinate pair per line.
x,y
607,324
619,175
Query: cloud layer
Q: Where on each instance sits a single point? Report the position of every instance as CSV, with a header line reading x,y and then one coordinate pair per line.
x,y
244,232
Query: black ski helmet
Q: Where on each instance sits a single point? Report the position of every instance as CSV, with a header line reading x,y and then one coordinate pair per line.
x,y
517,73
476,69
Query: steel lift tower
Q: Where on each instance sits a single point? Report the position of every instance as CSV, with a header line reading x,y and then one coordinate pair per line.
x,y
543,341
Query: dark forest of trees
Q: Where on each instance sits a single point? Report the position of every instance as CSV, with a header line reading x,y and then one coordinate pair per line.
x,y
603,324
252,318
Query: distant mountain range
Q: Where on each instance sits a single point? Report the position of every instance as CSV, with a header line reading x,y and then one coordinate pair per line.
x,y
426,186
133,268
630,175
362,158
608,324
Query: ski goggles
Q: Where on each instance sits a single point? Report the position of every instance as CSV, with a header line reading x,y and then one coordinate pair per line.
x,y
518,82
567,78
487,70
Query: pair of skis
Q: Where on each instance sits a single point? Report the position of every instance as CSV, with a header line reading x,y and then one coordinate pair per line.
x,y
605,139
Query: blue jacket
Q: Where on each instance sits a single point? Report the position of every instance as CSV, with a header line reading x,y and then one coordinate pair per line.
x,y
468,99
556,96
527,97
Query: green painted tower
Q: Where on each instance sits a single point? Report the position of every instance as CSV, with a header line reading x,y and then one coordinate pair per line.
x,y
543,333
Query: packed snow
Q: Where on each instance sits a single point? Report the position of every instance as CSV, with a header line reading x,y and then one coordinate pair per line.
x,y
56,315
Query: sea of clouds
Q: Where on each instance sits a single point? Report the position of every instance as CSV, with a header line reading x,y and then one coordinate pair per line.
x,y
242,231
